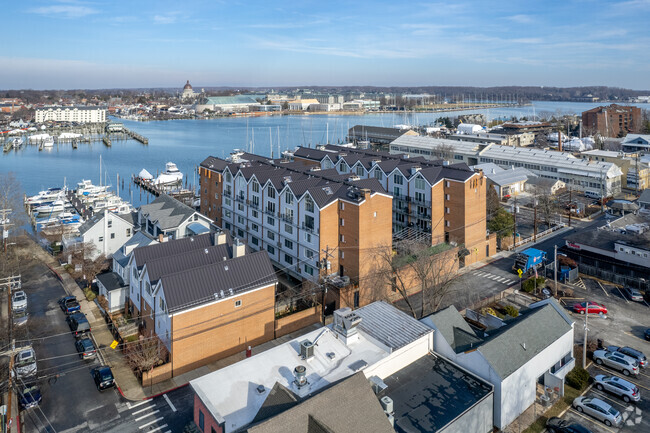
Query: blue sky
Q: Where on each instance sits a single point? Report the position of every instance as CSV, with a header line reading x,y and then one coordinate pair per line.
x,y
97,44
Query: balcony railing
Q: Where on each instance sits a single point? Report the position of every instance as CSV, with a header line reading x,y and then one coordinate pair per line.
x,y
286,218
309,229
227,194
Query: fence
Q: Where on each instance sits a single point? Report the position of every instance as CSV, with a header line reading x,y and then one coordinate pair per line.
x,y
623,280
550,274
491,299
539,235
295,321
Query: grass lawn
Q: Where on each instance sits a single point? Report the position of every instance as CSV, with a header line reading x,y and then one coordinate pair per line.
x,y
570,394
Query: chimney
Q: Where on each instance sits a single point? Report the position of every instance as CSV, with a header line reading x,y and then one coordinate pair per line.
x,y
365,192
161,238
559,140
238,248
219,238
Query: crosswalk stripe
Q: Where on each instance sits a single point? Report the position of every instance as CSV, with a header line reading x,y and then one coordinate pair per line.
x,y
142,410
147,415
151,422
131,406
501,280
159,428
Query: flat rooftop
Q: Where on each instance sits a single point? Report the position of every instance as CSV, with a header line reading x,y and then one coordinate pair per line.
x,y
432,392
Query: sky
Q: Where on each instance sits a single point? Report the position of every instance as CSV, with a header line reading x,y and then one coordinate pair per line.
x,y
72,44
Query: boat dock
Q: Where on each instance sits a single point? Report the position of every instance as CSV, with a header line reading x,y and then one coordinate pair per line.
x,y
185,196
134,135
78,205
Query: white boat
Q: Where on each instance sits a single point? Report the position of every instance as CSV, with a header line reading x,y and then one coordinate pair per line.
x,y
55,206
16,142
40,138
86,188
48,141
50,194
171,175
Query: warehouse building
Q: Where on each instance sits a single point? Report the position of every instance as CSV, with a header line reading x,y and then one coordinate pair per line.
x,y
593,177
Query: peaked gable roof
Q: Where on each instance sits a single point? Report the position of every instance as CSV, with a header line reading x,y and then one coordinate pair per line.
x,y
192,287
166,211
177,246
453,328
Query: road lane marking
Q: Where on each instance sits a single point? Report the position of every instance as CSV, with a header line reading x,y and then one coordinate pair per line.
x,y
142,410
131,406
592,420
604,291
169,402
621,292
159,428
147,415
151,422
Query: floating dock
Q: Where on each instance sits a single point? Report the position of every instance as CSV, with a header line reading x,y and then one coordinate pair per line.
x,y
185,196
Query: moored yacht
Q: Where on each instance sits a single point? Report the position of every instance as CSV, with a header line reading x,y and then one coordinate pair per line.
x,y
171,175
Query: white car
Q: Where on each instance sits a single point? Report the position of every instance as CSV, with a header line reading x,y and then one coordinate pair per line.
x,y
617,361
620,387
598,409
19,300
25,363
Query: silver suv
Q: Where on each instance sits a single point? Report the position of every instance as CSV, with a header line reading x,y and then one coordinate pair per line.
x,y
632,353
598,409
620,387
617,361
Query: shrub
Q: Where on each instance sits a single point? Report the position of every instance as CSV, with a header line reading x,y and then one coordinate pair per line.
x,y
511,310
528,286
489,310
578,378
90,295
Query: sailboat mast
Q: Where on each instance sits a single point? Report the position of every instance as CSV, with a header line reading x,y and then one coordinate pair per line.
x,y
100,170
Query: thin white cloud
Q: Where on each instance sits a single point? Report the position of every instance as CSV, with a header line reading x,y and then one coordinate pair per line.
x,y
65,11
169,18
520,19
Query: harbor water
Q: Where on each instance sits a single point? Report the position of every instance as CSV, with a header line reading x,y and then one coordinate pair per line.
x,y
188,142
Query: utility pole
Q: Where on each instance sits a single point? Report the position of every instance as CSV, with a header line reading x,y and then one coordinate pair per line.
x,y
602,195
584,343
570,204
323,264
5,223
535,221
555,270
514,231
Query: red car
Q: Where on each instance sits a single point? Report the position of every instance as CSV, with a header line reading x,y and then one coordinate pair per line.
x,y
594,308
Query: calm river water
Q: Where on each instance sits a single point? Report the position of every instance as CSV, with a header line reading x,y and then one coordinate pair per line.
x,y
188,142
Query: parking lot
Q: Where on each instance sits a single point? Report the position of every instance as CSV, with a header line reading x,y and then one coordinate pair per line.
x,y
623,325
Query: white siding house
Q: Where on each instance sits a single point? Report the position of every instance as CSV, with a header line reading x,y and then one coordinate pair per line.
x,y
107,231
535,348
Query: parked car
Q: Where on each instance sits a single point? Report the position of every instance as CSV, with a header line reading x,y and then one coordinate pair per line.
x,y
19,317
65,300
594,308
103,377
620,387
25,363
646,334
79,326
86,348
598,409
72,307
632,353
617,361
18,300
633,294
559,425
29,396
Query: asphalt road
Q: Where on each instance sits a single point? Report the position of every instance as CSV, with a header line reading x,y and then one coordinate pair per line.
x,y
71,402
623,326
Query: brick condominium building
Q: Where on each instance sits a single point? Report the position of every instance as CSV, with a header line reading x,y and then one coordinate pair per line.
x,y
328,210
612,121
311,223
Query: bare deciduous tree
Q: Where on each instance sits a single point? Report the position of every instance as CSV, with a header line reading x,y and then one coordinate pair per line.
x,y
86,264
444,151
417,274
144,354
11,200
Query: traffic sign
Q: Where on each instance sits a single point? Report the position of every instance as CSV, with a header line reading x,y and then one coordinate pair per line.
x,y
114,344
520,272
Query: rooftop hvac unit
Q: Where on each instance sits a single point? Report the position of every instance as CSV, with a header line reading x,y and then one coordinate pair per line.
x,y
306,349
300,373
387,404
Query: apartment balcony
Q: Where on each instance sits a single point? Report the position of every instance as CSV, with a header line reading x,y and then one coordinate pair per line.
x,y
227,194
240,199
309,229
287,219
425,203
254,205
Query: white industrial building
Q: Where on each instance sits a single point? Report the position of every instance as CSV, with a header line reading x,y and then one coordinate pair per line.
x,y
602,178
79,114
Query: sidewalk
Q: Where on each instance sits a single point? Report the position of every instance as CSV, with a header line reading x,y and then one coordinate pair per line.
x,y
128,384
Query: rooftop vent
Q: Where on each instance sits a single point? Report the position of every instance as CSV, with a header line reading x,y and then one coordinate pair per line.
x,y
231,291
205,251
346,322
260,389
300,373
386,404
221,293
306,349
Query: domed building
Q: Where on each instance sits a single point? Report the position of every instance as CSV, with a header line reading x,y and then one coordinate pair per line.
x,y
188,92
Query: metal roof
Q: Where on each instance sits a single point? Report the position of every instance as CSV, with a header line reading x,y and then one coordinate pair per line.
x,y
564,162
166,211
390,326
212,282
